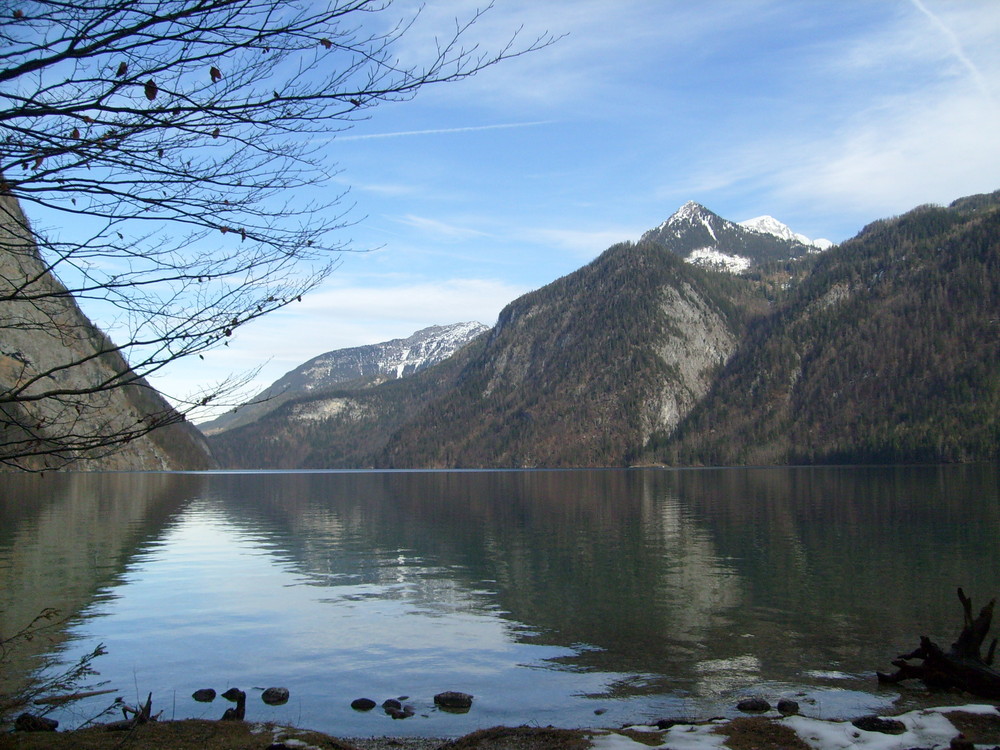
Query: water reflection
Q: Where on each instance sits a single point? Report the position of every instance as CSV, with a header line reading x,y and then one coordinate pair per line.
x,y
649,593
66,538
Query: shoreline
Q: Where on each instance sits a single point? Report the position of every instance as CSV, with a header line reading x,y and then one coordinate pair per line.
x,y
973,726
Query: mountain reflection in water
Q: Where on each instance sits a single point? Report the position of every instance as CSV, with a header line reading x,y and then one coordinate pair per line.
x,y
547,594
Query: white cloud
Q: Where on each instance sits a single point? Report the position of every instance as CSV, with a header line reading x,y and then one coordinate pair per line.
x,y
930,151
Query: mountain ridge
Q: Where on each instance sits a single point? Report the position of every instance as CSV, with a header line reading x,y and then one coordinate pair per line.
x,y
882,348
365,365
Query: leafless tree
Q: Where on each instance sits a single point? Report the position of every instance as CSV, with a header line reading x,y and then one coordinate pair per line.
x,y
161,149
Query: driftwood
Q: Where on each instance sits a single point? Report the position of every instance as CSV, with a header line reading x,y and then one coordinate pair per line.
x,y
140,715
58,700
962,666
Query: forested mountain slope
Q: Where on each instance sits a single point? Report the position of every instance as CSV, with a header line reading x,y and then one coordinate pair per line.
x,y
889,350
584,370
885,348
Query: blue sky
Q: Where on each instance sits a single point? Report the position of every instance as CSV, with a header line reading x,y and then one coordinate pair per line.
x,y
823,114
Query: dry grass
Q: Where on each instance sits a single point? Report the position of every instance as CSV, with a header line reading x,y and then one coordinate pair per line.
x,y
758,733
981,729
192,734
521,738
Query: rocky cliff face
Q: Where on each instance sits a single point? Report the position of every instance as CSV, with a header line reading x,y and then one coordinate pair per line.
x,y
584,370
54,410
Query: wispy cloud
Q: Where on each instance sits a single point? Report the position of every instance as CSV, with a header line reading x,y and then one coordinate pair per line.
x,y
440,229
444,131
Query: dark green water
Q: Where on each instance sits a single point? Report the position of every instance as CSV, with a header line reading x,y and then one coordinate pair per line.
x,y
549,595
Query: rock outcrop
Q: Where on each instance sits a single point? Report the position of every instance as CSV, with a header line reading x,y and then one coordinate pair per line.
x,y
55,407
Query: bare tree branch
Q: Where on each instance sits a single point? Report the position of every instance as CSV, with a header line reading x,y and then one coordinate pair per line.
x,y
166,145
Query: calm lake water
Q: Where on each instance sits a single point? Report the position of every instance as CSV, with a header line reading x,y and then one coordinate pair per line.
x,y
549,595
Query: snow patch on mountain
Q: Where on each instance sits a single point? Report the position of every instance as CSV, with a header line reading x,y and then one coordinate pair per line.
x,y
396,358
713,258
770,225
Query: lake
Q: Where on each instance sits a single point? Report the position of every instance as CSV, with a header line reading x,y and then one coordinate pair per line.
x,y
572,598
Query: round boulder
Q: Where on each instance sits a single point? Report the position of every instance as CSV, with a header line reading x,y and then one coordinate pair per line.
x,y
363,704
753,705
204,695
275,696
451,700
788,707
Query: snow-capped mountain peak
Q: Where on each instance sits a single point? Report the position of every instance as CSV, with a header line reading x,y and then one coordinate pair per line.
x,y
770,225
691,213
704,238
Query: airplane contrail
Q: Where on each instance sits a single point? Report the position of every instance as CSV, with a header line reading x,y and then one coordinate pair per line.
x,y
956,47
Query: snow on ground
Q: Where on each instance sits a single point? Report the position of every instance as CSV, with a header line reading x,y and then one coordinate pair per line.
x,y
925,728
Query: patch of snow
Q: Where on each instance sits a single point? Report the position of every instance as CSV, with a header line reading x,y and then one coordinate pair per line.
x,y
324,409
678,737
924,728
710,256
